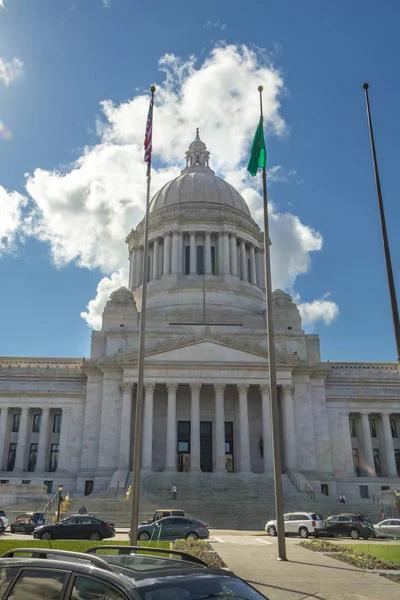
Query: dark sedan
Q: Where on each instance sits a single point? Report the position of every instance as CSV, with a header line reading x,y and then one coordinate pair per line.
x,y
173,528
76,528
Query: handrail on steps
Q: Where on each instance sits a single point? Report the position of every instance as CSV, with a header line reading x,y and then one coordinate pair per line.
x,y
297,485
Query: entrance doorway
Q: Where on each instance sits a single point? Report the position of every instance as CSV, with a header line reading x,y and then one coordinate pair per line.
x,y
206,446
229,456
183,446
88,487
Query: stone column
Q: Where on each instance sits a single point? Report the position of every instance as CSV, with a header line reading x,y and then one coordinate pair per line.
x,y
126,422
368,455
63,458
156,258
43,440
267,429
147,459
175,252
226,253
219,428
289,427
244,428
346,444
253,271
21,445
110,422
195,427
390,461
134,267
91,424
167,254
260,268
131,269
139,266
171,427
233,254
220,269
243,260
192,253
208,252
3,436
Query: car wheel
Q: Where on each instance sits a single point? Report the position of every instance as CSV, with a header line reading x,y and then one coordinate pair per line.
x,y
192,536
303,531
95,536
354,534
144,536
272,531
12,529
46,535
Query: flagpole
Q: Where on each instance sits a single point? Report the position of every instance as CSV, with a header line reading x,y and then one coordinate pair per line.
x,y
272,370
137,449
389,270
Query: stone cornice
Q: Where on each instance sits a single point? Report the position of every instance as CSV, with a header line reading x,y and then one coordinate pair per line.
x,y
7,362
362,391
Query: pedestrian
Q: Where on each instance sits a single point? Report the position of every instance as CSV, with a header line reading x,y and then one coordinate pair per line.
x,y
82,510
174,491
342,498
381,515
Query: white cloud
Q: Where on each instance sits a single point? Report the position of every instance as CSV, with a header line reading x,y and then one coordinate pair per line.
x,y
11,219
106,3
85,211
105,288
318,310
10,70
215,25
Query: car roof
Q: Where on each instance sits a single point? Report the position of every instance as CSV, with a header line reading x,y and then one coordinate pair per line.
x,y
76,566
168,509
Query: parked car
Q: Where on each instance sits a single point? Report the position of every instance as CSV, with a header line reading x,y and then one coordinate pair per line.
x,y
388,528
26,522
76,528
36,573
172,528
299,523
164,512
350,525
4,518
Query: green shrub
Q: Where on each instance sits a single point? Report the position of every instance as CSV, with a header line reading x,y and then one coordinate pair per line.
x,y
321,546
200,550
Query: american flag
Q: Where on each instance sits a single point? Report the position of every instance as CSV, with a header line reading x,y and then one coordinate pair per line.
x,y
148,134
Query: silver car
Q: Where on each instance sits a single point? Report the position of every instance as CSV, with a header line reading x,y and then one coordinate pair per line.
x,y
299,523
388,528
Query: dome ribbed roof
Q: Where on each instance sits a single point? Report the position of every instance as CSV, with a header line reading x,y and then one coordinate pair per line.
x,y
198,183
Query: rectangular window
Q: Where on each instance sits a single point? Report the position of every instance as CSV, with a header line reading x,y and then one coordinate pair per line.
x,y
57,423
53,464
37,419
377,462
364,491
213,271
26,481
12,451
200,260
49,485
148,269
393,427
33,450
353,430
372,427
248,271
325,489
15,422
356,462
4,481
187,260
397,459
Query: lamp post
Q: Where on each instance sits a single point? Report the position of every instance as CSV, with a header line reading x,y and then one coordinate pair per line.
x,y
60,488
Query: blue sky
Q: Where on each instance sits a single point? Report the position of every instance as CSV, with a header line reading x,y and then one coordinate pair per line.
x,y
64,157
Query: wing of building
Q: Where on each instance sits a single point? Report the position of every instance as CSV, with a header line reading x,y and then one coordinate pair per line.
x,y
207,399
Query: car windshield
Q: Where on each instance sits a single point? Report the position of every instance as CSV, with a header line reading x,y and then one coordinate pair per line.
x,y
135,562
197,588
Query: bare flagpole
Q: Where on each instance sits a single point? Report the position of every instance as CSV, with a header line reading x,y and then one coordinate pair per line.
x,y
389,270
272,370
137,449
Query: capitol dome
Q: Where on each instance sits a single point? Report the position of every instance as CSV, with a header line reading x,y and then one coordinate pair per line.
x,y
198,183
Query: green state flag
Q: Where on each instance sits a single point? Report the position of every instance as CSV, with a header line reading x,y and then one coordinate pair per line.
x,y
258,154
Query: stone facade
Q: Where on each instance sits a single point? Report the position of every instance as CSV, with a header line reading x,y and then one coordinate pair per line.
x,y
206,397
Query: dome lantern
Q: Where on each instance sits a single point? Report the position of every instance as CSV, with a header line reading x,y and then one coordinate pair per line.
x,y
197,156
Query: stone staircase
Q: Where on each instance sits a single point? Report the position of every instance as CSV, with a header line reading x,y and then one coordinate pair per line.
x,y
226,501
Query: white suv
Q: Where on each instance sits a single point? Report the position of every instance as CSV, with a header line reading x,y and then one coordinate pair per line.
x,y
4,518
299,523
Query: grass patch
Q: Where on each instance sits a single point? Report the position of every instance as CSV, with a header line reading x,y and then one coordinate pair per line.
x,y
389,552
71,545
